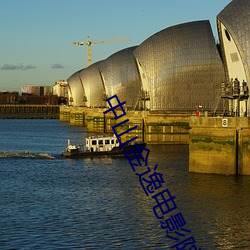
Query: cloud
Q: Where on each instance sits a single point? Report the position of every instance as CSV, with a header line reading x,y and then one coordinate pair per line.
x,y
28,67
7,66
57,66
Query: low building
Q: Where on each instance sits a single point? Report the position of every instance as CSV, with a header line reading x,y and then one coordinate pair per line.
x,y
37,90
9,97
60,89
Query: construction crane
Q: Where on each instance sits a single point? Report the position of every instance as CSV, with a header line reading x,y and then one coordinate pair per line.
x,y
89,43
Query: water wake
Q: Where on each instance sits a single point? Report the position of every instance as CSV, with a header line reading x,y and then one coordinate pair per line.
x,y
26,154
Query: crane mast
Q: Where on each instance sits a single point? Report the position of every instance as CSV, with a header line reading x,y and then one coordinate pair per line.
x,y
89,43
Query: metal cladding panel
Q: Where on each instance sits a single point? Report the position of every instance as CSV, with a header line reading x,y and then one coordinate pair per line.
x,y
121,77
182,67
76,89
93,85
236,18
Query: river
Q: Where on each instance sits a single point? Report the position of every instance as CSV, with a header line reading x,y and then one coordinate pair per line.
x,y
48,202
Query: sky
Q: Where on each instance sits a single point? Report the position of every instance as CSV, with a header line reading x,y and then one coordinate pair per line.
x,y
36,35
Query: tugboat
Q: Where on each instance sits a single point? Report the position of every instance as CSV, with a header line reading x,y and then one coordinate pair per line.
x,y
99,146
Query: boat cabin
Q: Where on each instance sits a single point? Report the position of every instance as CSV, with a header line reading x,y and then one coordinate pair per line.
x,y
105,143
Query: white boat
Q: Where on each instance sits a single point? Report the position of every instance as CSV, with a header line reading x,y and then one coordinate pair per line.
x,y
99,146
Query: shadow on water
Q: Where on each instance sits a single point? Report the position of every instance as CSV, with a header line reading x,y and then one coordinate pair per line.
x,y
217,207
221,205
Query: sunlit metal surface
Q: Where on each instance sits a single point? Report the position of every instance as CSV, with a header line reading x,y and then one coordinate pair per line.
x,y
121,77
76,91
236,18
181,67
234,28
93,86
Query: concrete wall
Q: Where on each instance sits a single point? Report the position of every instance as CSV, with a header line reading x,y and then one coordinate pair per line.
x,y
64,114
167,129
217,148
158,128
214,147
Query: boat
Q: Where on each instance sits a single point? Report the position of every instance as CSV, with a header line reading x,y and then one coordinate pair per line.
x,y
100,146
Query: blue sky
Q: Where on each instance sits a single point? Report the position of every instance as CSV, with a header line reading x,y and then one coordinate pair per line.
x,y
36,35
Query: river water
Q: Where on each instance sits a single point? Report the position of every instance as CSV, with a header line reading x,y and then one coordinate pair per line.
x,y
53,203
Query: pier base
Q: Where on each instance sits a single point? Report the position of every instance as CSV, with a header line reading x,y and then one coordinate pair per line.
x,y
219,145
153,128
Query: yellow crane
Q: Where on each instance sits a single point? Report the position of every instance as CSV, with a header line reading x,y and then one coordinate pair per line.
x,y
89,43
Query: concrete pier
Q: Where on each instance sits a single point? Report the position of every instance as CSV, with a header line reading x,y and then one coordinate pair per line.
x,y
64,113
153,128
216,144
219,145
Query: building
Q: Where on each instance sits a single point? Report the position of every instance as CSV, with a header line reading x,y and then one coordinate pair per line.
x,y
37,90
31,90
234,33
76,93
121,77
60,89
176,70
118,74
93,88
38,95
9,97
180,68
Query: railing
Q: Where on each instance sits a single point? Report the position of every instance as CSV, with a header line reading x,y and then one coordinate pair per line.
x,y
24,111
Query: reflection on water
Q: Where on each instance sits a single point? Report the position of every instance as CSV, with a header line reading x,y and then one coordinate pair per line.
x,y
225,201
99,203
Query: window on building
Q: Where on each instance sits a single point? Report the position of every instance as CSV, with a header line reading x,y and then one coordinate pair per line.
x,y
227,35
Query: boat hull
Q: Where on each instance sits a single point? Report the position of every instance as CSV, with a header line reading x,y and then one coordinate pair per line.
x,y
115,152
